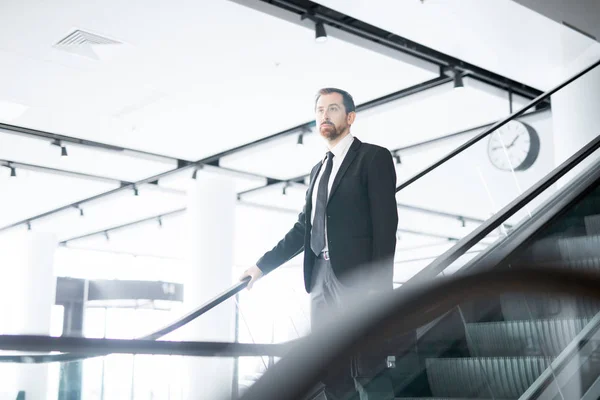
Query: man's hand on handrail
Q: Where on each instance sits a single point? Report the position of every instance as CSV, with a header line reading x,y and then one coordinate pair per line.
x,y
254,273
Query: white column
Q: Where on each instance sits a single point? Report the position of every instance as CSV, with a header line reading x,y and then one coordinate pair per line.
x,y
26,300
575,116
210,235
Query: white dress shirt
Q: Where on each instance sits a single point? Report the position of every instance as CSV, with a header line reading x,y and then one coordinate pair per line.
x,y
339,151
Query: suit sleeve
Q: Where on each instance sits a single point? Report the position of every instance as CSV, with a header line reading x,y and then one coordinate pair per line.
x,y
290,246
384,212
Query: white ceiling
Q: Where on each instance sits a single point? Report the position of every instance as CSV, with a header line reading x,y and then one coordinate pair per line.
x,y
193,79
501,35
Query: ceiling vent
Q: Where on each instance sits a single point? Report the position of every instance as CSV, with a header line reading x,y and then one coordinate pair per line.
x,y
88,44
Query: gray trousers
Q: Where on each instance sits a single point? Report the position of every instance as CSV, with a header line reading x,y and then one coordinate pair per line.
x,y
327,296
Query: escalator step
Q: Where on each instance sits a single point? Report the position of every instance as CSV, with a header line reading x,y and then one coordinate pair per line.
x,y
546,337
567,249
517,307
577,248
484,377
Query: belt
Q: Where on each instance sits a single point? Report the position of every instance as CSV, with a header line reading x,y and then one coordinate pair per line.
x,y
324,255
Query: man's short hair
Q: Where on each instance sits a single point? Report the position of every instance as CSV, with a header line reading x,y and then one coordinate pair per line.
x,y
347,98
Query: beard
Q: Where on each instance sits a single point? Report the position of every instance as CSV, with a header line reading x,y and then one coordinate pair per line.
x,y
330,131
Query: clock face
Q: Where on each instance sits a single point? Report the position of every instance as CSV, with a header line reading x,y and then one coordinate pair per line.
x,y
514,146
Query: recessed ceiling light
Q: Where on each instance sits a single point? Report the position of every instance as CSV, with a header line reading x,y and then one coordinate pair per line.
x,y
10,111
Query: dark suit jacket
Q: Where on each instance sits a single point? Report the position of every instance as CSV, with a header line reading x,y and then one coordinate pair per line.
x,y
362,219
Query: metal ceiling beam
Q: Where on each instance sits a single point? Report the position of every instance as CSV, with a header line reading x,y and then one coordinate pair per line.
x,y
33,167
54,137
305,9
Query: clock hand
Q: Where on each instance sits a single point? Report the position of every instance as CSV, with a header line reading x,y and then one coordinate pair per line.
x,y
513,142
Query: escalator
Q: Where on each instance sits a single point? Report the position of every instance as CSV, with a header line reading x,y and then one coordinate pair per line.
x,y
499,348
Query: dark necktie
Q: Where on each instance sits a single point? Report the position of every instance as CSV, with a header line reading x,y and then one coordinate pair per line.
x,y
317,237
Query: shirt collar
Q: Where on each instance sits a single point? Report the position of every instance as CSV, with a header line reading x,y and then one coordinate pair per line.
x,y
342,147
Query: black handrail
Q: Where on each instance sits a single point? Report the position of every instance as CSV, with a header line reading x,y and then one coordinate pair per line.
x,y
94,346
497,125
67,357
370,324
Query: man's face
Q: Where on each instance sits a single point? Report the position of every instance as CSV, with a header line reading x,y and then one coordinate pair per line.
x,y
331,117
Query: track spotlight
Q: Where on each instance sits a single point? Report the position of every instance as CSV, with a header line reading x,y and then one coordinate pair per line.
x,y
13,172
160,224
320,34
458,81
63,149
300,139
397,158
284,191
28,225
80,210
106,236
197,167
136,191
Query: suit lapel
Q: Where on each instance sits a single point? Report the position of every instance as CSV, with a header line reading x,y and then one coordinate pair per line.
x,y
314,174
344,167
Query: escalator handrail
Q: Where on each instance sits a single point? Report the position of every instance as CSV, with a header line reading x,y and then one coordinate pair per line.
x,y
187,318
491,129
402,311
94,346
463,245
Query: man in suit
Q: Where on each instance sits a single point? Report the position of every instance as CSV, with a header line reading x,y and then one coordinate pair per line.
x,y
347,230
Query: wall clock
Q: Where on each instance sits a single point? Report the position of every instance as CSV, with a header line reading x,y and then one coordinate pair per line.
x,y
515,145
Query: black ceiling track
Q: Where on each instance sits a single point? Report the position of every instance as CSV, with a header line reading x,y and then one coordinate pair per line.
x,y
343,22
